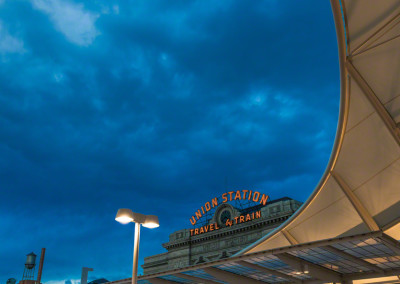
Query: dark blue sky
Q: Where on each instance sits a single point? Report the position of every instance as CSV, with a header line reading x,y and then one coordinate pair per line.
x,y
156,106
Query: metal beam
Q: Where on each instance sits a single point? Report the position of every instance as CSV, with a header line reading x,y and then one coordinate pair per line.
x,y
377,45
375,102
230,277
122,281
269,271
196,279
388,241
391,224
161,281
289,237
315,270
353,258
358,206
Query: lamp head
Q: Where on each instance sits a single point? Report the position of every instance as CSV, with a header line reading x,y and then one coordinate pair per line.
x,y
124,216
151,222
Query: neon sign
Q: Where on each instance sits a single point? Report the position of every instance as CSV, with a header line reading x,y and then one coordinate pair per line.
x,y
237,220
244,194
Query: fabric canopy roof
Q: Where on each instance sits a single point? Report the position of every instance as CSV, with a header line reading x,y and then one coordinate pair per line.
x,y
360,189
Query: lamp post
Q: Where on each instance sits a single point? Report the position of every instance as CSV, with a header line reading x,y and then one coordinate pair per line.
x,y
125,216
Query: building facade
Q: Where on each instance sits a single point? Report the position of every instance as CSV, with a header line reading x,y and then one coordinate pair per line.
x,y
228,230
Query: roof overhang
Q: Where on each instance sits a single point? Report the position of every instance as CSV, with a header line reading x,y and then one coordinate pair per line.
x,y
338,260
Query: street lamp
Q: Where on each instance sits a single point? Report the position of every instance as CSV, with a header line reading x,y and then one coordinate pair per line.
x,y
125,216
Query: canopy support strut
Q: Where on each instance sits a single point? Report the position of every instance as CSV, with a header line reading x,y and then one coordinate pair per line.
x,y
358,206
289,237
374,100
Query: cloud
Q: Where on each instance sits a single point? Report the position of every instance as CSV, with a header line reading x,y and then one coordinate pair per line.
x,y
172,100
8,43
77,24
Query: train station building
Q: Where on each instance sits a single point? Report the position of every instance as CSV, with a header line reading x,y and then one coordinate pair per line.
x,y
227,230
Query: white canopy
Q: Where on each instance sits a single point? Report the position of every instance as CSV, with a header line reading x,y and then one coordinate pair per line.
x,y
360,189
